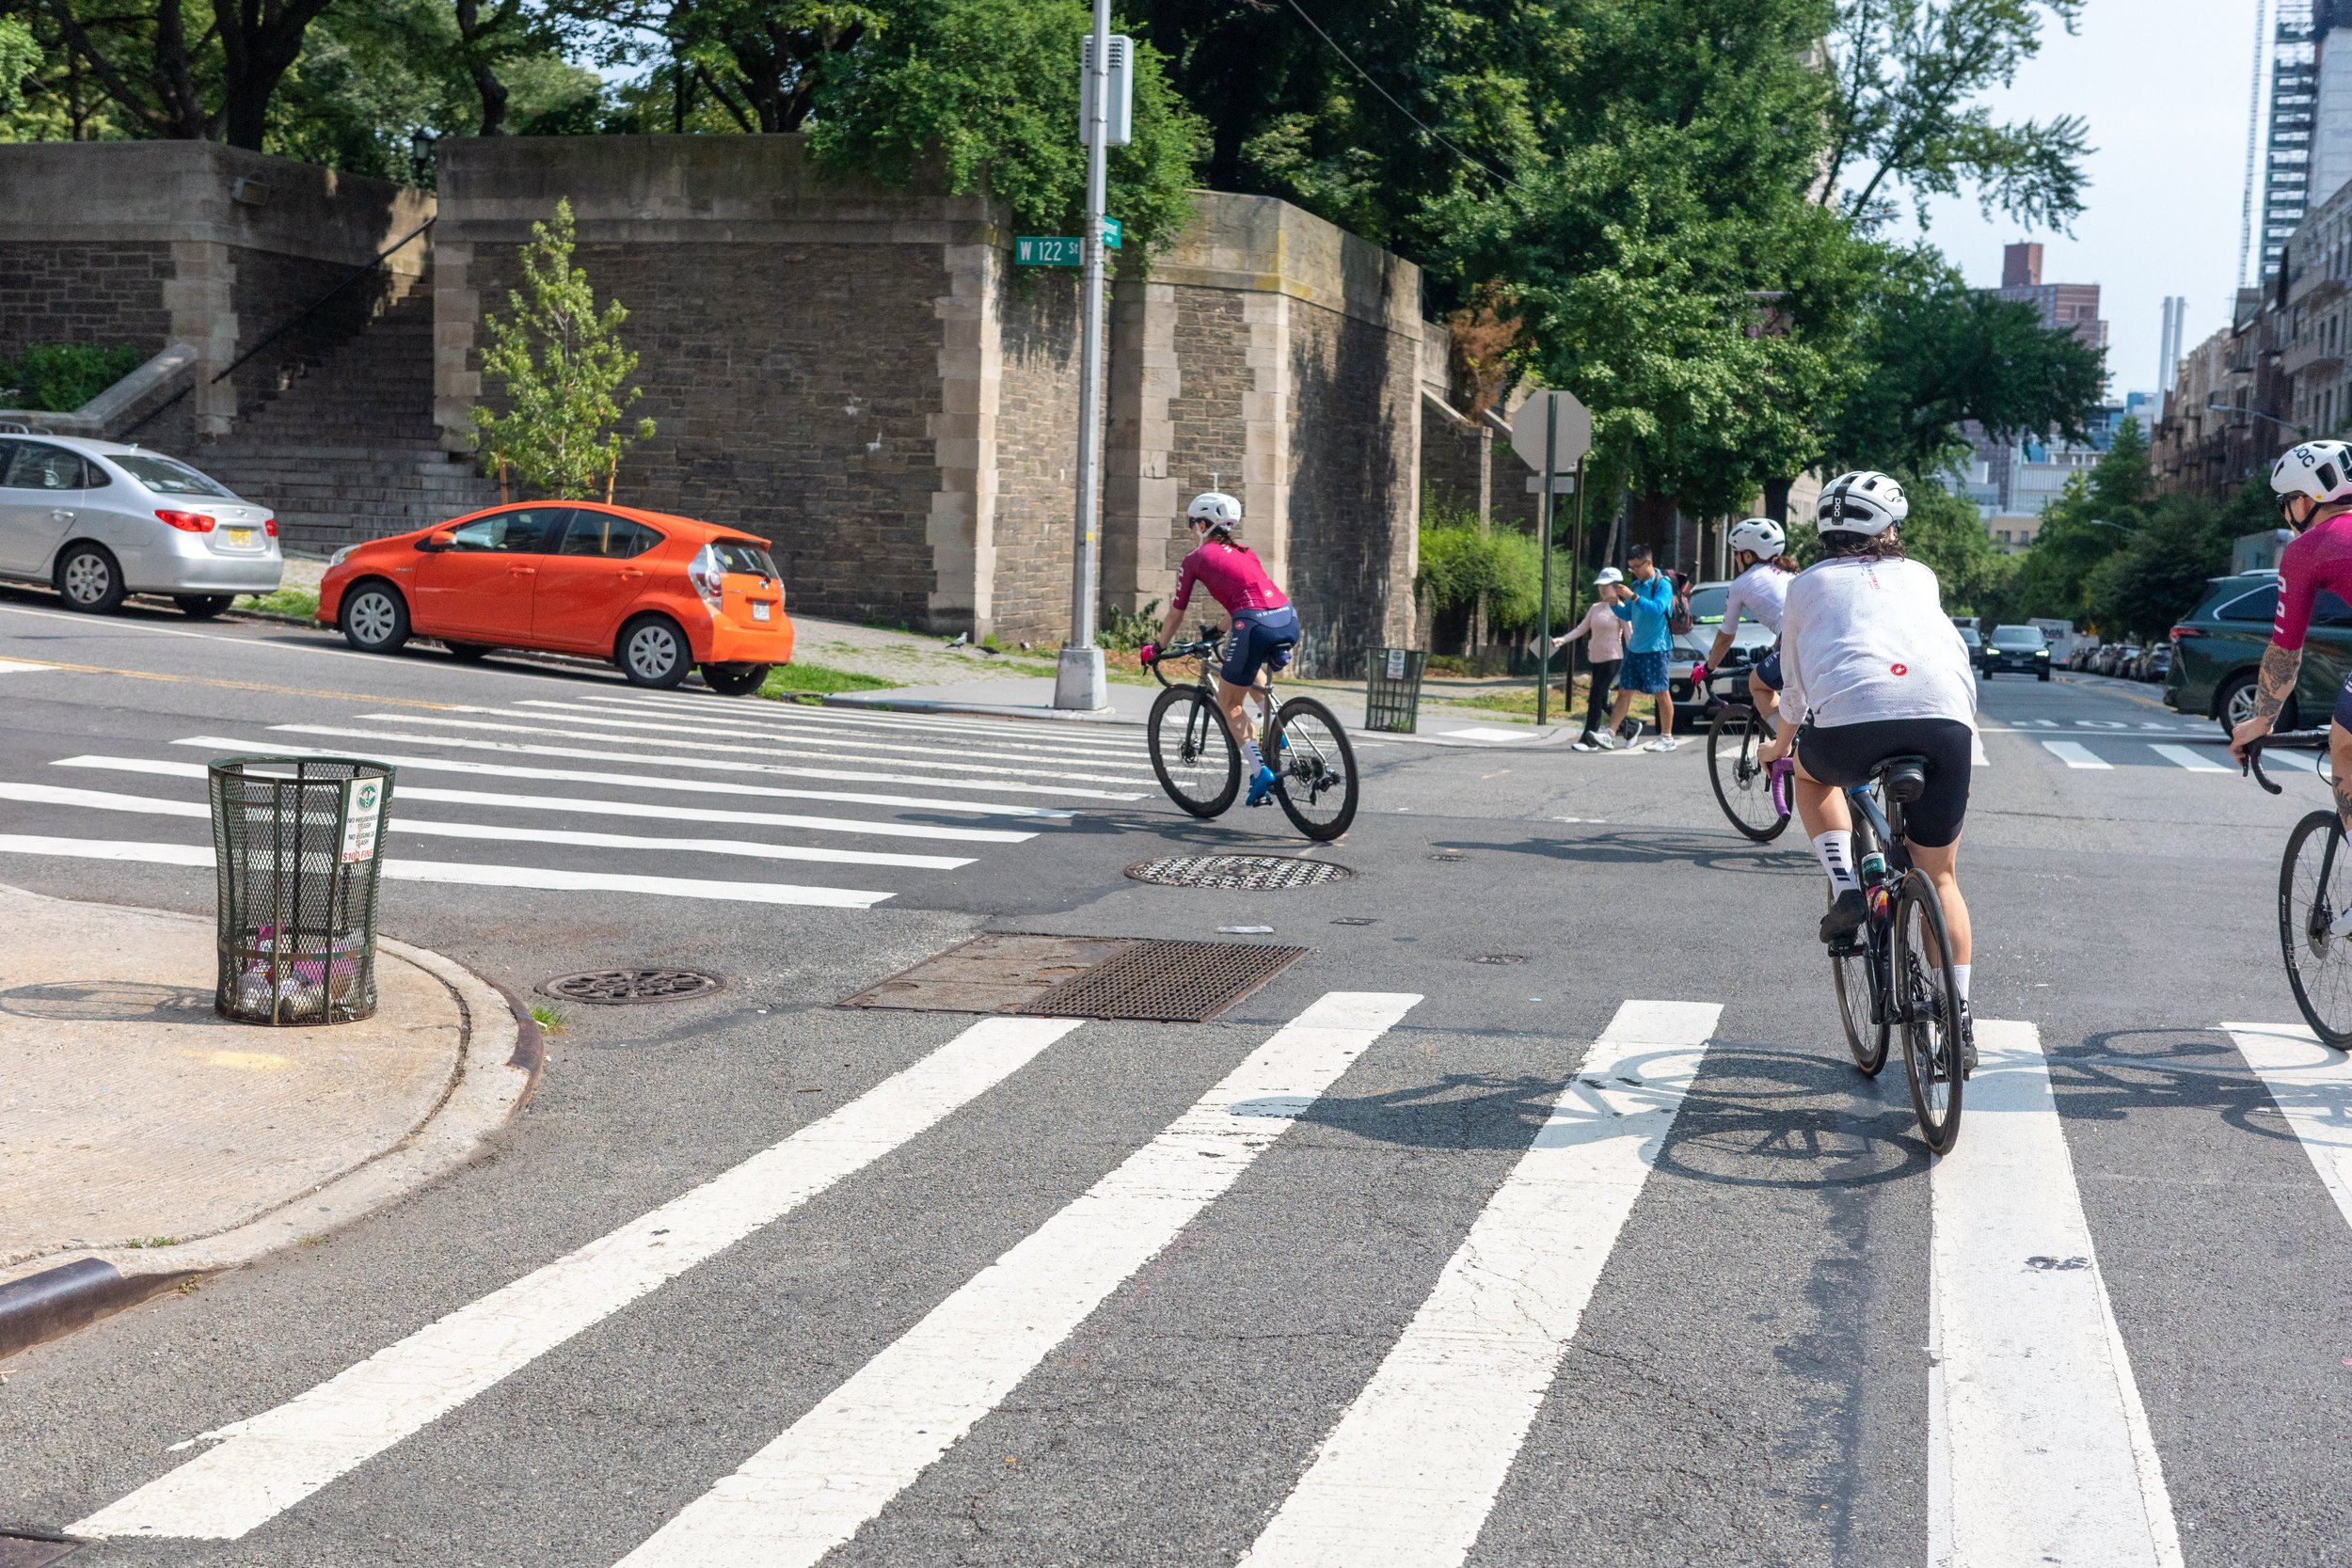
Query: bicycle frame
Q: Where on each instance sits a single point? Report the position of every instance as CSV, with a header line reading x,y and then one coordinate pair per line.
x,y
1204,648
1878,927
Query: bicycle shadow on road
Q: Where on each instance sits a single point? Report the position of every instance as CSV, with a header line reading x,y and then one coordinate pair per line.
x,y
1713,853
2192,1068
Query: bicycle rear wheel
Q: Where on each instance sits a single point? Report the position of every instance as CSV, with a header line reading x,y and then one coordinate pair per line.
x,y
1926,1005
1315,775
1193,751
2315,887
1850,970
1741,786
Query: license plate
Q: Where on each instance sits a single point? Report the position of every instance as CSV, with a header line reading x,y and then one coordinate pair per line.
x,y
761,609
240,537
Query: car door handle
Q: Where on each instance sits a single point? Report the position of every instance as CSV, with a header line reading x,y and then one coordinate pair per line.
x,y
631,574
522,570
60,515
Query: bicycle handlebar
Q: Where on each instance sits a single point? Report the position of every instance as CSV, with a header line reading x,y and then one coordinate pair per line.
x,y
1204,647
2253,763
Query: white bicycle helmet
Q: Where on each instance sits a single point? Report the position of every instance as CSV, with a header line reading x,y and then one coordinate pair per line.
x,y
2320,469
1216,509
1760,534
1865,502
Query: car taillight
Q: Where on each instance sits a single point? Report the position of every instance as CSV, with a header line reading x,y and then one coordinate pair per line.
x,y
270,525
187,522
708,578
2179,632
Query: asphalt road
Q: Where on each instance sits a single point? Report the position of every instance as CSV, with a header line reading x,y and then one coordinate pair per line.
x,y
1446,1294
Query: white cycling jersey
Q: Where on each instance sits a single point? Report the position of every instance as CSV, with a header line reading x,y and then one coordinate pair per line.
x,y
1760,590
1867,638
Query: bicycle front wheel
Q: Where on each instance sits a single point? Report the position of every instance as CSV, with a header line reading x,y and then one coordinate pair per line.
x,y
1741,786
1193,751
2315,887
1315,770
1927,1001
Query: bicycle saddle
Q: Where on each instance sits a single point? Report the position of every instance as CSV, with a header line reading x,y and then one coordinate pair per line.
x,y
1904,778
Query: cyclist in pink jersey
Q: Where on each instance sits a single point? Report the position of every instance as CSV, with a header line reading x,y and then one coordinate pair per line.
x,y
2313,484
1264,626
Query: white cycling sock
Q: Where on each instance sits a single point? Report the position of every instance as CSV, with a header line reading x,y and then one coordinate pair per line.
x,y
1960,978
1251,758
1835,850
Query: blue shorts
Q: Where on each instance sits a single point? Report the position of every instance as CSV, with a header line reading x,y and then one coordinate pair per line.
x,y
1260,637
1767,669
1642,672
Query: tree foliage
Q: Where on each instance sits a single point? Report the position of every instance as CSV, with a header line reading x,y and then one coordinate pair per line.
x,y
559,361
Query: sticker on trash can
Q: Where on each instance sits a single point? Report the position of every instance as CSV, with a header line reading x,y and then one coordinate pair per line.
x,y
363,809
1396,664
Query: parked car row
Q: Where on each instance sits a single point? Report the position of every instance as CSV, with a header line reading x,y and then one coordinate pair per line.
x,y
2123,661
657,594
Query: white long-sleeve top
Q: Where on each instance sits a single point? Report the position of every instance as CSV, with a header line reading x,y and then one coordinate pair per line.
x,y
1762,591
1864,639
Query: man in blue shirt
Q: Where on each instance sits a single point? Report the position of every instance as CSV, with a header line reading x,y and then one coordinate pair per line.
x,y
1643,672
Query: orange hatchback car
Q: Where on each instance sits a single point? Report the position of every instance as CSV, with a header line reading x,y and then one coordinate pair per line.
x,y
655,595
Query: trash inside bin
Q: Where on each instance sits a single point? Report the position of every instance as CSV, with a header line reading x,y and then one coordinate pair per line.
x,y
1392,690
297,842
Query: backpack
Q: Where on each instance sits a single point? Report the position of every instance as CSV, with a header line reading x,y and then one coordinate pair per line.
x,y
1678,618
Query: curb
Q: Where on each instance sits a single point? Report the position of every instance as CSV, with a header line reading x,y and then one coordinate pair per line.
x,y
500,1063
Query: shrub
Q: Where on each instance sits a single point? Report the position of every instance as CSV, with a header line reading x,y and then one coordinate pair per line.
x,y
58,378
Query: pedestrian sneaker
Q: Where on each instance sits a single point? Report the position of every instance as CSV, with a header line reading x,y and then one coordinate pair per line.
x,y
1588,741
1664,743
1261,788
1628,732
1844,917
1604,740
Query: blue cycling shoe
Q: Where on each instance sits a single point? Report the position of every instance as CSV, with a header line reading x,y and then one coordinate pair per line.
x,y
1261,786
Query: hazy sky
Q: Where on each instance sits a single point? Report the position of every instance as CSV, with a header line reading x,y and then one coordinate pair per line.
x,y
2164,85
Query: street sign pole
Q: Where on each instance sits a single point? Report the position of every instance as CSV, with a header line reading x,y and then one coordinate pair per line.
x,y
1543,620
1079,680
1576,575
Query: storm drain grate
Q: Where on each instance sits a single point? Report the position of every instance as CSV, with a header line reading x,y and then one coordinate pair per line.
x,y
1050,976
1239,872
33,1549
621,987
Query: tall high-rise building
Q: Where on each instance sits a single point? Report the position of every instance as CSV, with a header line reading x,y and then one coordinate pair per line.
x,y
2011,481
2170,344
2287,192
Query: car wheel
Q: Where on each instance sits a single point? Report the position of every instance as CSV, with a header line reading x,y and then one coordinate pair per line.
x,y
468,652
376,618
89,580
200,607
2236,704
652,651
735,680
2041,674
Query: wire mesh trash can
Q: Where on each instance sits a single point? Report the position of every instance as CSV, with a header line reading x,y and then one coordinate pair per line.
x,y
296,843
1392,690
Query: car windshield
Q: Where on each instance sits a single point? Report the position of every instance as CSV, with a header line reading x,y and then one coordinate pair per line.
x,y
2019,637
168,476
1707,605
740,555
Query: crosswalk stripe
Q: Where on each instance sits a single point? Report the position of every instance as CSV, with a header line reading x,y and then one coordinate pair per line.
x,y
797,771
2311,1086
1058,734
839,1465
2039,1448
694,785
2073,753
400,869
1975,752
2300,762
2196,762
268,1462
1410,1473
102,800
570,804
1056,761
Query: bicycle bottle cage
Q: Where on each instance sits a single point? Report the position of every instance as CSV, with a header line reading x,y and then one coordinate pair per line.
x,y
1905,777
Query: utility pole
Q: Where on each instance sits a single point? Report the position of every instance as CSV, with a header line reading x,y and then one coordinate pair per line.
x,y
1079,681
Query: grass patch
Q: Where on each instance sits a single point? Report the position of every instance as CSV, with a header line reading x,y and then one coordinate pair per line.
x,y
792,680
297,602
153,1242
548,1017
1516,700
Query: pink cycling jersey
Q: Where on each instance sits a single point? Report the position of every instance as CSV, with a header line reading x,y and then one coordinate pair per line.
x,y
2320,558
1232,576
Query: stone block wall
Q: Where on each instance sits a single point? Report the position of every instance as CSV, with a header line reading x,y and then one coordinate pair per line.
x,y
1037,457
83,292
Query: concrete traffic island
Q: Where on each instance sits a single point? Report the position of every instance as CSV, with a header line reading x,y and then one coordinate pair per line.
x,y
144,1140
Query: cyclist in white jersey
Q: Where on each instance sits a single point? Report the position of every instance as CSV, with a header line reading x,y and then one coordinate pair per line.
x,y
1759,548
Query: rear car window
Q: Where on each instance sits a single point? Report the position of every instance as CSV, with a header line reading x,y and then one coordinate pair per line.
x,y
2260,604
168,476
524,533
735,555
600,533
35,467
2328,611
1707,605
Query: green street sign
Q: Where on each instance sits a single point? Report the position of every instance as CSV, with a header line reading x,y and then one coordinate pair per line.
x,y
1112,232
1048,250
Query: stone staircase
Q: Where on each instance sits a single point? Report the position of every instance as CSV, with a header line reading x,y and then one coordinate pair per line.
x,y
348,449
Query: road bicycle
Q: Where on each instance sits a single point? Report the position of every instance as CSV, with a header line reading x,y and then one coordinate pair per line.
x,y
1757,798
1896,972
2315,895
1199,767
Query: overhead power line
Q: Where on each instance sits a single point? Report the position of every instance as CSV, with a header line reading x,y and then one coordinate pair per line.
x,y
1427,128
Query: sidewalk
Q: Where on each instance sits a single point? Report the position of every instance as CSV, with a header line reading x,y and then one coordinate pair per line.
x,y
143,1138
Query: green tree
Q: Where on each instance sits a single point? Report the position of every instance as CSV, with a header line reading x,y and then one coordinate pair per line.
x,y
2090,520
184,69
1946,532
561,364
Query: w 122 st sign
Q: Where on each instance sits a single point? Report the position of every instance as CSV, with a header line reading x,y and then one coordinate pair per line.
x,y
1049,251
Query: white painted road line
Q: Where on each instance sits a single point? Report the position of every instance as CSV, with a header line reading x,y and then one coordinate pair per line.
x,y
268,1462
100,800
1975,752
926,751
2042,1452
398,869
641,781
1408,1476
2196,762
583,805
2311,1086
1058,736
839,1465
2073,753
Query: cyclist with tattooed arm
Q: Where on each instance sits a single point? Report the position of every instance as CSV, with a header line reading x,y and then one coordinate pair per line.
x,y
2313,484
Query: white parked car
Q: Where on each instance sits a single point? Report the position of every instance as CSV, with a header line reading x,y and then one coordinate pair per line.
x,y
97,520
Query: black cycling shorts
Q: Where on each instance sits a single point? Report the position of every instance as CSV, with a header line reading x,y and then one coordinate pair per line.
x,y
1843,754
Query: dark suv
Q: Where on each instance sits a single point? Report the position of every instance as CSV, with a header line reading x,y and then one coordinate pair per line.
x,y
2218,646
2022,650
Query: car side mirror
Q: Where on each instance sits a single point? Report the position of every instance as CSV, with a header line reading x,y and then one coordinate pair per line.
x,y
439,539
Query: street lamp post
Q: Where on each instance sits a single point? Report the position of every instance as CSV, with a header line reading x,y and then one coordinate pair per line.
x,y
1079,680
2300,433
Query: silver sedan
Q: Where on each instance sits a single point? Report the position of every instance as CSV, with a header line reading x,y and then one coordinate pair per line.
x,y
97,520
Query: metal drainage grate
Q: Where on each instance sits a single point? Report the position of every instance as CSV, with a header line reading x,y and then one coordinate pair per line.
x,y
621,988
1172,982
1239,872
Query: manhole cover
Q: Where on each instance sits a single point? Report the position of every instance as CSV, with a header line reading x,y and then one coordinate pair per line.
x,y
621,988
1240,873
1049,976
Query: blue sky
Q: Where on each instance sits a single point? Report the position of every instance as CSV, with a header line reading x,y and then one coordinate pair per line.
x,y
2164,85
